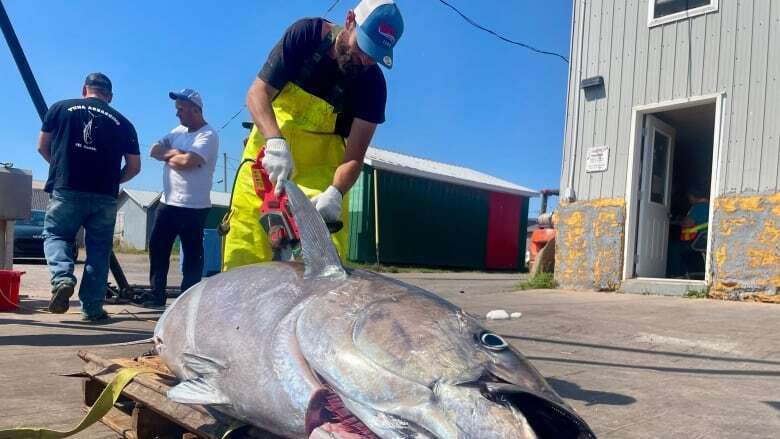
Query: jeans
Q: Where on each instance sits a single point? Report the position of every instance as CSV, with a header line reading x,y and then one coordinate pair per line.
x,y
170,221
66,213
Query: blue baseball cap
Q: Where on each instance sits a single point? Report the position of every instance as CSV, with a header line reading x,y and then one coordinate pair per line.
x,y
188,95
379,27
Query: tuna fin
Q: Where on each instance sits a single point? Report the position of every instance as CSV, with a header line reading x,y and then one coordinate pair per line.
x,y
320,257
202,366
197,391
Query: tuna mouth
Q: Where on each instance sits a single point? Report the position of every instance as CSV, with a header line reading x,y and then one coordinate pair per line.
x,y
547,418
328,417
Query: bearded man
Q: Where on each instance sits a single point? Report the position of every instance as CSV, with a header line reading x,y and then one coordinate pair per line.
x,y
315,106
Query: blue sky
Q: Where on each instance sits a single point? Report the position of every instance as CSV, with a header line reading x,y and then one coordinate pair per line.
x,y
456,94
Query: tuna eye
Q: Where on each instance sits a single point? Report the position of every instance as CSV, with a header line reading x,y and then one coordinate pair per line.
x,y
492,341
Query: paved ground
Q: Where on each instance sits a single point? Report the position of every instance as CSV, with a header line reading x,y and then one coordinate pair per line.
x,y
633,366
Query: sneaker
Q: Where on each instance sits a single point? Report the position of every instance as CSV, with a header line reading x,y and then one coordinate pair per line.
x,y
154,303
60,299
149,300
99,317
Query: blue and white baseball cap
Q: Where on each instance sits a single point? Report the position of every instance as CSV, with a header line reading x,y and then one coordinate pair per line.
x,y
188,95
379,27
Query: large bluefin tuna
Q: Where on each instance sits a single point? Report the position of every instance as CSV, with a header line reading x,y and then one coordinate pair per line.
x,y
312,350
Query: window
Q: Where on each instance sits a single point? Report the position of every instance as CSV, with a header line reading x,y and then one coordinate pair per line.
x,y
660,168
665,11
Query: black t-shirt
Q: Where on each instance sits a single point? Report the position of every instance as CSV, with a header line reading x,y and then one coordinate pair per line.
x,y
365,95
89,139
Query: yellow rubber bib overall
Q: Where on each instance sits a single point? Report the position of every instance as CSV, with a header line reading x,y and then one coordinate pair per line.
x,y
308,123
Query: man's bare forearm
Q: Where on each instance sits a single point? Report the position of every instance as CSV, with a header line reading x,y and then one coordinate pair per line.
x,y
184,160
127,174
348,171
347,174
158,151
258,100
44,142
131,169
46,155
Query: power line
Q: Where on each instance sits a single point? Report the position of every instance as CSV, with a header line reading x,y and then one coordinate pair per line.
x,y
331,8
232,118
478,26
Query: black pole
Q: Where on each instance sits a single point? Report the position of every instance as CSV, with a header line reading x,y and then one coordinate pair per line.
x,y
545,195
21,63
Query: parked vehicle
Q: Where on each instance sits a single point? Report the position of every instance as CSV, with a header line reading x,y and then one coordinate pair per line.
x,y
28,237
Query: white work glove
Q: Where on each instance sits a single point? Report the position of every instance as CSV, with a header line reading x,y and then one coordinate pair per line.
x,y
277,162
328,204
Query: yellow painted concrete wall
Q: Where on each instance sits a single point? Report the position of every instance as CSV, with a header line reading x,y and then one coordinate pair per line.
x,y
746,246
589,244
745,236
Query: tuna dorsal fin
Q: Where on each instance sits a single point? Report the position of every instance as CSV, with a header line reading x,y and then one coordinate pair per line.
x,y
197,391
319,255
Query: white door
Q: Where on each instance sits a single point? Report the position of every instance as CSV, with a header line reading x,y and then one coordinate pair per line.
x,y
654,198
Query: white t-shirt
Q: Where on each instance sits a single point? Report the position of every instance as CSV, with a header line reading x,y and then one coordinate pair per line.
x,y
191,187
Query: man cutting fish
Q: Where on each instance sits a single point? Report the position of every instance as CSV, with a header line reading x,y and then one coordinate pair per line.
x,y
315,104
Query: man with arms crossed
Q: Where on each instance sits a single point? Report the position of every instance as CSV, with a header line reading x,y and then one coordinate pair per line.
x,y
189,152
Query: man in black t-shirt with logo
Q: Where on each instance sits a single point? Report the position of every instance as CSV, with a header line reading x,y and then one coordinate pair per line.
x,y
84,141
315,106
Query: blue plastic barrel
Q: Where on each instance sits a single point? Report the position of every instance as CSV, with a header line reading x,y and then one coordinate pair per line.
x,y
212,253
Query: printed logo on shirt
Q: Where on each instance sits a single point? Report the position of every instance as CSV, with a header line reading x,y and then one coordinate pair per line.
x,y
87,131
92,109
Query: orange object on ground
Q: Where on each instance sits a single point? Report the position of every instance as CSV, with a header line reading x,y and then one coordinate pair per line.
x,y
9,289
540,238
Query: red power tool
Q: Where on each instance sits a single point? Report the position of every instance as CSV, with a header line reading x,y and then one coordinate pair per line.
x,y
275,215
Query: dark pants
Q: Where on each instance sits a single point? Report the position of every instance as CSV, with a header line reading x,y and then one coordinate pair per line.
x,y
170,221
682,259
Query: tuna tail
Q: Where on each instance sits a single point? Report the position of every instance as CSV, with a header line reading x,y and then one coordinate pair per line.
x,y
320,257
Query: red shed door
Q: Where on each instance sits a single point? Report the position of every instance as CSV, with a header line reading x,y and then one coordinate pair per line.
x,y
503,234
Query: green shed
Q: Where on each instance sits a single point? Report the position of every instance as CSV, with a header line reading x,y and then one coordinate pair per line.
x,y
407,210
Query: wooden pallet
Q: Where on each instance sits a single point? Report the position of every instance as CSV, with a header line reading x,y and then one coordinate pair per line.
x,y
144,412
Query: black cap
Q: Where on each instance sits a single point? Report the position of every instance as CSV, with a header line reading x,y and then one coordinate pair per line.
x,y
98,80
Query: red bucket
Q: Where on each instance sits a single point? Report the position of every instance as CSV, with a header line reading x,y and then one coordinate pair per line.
x,y
9,289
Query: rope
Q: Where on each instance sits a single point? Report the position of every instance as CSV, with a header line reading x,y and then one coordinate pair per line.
x,y
104,403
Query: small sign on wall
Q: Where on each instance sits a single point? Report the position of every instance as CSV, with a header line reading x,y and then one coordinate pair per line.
x,y
598,159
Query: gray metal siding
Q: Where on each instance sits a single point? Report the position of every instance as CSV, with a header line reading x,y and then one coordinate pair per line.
x,y
135,224
733,50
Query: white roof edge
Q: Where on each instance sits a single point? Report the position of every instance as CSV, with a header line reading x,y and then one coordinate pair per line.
x,y
523,191
219,199
132,194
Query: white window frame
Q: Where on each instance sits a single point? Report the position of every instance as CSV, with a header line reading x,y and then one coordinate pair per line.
x,y
682,15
